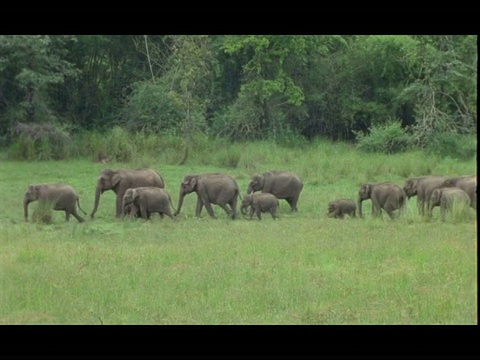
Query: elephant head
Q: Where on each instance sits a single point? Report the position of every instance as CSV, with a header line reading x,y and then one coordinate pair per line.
x,y
364,193
188,185
32,194
108,180
256,183
410,187
129,198
436,197
246,202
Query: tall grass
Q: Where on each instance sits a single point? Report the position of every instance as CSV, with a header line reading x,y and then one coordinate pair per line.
x,y
303,268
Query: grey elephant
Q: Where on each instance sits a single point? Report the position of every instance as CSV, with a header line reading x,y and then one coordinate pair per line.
x,y
120,180
148,199
422,187
339,208
446,197
211,188
467,183
260,203
283,184
60,196
385,195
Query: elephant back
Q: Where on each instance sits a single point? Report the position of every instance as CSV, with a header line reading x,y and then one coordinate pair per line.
x,y
282,183
147,177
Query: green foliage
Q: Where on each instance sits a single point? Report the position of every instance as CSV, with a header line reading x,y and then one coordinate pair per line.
x,y
456,146
242,87
390,138
41,142
152,109
31,66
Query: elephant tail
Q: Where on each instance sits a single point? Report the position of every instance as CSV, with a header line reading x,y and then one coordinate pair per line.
x,y
78,203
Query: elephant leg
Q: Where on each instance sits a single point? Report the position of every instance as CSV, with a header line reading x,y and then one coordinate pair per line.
x,y
67,215
78,217
228,210
293,203
390,213
443,211
199,206
233,206
119,205
208,206
252,211
143,212
273,211
259,212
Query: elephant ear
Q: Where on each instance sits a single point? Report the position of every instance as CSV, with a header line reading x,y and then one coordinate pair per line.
x,y
134,194
116,177
367,189
193,182
258,181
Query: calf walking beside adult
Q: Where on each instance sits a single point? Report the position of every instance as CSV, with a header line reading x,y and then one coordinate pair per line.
x,y
283,184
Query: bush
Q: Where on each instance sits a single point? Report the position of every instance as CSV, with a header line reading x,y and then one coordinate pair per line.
x,y
389,138
40,142
454,145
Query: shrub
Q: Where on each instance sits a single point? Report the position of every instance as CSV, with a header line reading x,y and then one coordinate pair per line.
x,y
389,138
451,144
40,142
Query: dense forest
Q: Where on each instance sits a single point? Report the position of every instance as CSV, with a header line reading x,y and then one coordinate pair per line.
x,y
411,89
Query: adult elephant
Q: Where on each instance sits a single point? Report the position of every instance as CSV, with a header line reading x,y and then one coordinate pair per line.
x,y
122,179
283,184
467,183
386,195
211,188
59,196
422,187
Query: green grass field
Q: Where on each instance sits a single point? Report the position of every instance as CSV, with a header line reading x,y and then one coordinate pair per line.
x,y
303,268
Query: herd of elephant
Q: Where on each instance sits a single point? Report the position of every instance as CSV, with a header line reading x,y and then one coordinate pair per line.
x,y
141,192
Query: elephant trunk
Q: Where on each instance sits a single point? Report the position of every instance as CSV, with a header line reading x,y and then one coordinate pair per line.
x,y
98,192
124,204
25,208
249,189
243,209
360,200
180,202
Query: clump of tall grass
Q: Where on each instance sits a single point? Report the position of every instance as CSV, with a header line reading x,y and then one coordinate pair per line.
x,y
453,145
41,142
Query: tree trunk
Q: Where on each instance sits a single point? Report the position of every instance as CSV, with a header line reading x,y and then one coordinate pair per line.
x,y
186,132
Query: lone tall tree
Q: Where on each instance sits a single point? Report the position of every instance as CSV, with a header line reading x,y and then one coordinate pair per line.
x,y
189,77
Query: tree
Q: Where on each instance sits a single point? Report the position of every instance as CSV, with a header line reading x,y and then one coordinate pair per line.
x,y
189,79
272,87
31,66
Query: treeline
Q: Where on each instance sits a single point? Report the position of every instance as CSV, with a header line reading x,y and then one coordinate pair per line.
x,y
412,90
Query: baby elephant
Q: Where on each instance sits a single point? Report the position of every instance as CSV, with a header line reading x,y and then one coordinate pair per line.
x,y
260,203
446,198
148,199
338,208
58,196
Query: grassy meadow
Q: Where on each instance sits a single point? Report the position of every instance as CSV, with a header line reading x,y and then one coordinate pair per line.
x,y
303,268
